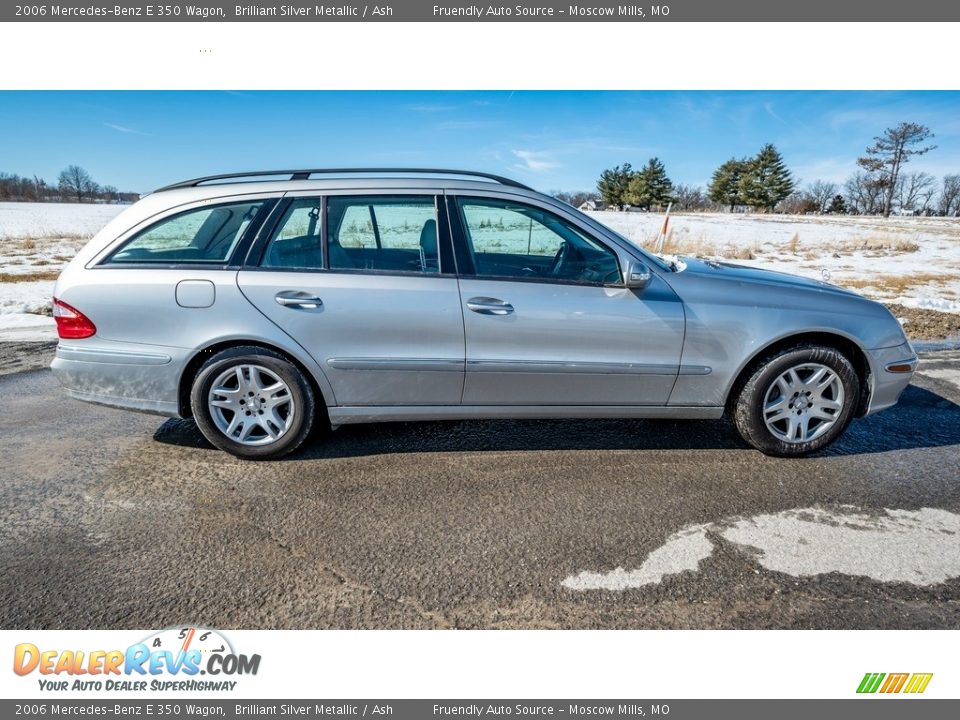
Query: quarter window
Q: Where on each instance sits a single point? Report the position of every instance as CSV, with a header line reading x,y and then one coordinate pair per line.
x,y
507,239
202,235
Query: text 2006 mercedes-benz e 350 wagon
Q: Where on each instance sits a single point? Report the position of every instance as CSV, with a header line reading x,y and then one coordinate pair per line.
x,y
259,304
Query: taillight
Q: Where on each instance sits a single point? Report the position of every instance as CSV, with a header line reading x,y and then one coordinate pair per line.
x,y
71,323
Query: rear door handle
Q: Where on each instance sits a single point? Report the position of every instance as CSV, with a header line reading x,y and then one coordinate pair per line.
x,y
489,306
301,300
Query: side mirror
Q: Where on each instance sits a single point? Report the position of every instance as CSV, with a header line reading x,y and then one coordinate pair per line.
x,y
636,275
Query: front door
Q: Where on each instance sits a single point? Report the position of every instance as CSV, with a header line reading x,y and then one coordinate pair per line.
x,y
546,316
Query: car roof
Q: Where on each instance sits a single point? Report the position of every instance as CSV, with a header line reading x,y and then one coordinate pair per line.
x,y
186,193
352,177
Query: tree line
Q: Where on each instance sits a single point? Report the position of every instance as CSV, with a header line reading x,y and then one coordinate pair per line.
x,y
764,182
74,184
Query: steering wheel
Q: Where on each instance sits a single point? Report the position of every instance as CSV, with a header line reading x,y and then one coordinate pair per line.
x,y
558,259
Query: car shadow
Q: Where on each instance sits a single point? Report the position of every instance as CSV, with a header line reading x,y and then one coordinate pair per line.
x,y
921,419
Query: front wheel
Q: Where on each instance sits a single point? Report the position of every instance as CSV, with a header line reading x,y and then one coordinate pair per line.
x,y
253,403
797,401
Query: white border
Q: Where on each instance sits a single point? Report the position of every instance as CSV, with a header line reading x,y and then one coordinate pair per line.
x,y
556,664
528,664
562,55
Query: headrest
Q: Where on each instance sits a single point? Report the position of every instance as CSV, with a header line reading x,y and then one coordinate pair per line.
x,y
428,237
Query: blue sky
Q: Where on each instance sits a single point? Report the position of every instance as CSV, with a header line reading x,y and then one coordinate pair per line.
x,y
551,140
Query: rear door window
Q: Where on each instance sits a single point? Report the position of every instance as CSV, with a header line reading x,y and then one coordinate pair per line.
x,y
383,233
296,242
202,235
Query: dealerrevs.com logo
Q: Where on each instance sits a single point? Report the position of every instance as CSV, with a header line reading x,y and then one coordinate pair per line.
x,y
909,683
179,659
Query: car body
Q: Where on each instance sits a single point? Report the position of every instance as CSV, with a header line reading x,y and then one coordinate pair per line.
x,y
423,295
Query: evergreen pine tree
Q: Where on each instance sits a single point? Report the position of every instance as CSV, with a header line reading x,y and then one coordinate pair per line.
x,y
838,206
766,180
650,186
613,185
724,187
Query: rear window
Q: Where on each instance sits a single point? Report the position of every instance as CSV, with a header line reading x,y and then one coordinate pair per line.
x,y
202,235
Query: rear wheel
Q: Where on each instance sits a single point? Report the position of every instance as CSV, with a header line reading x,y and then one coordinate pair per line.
x,y
253,403
797,401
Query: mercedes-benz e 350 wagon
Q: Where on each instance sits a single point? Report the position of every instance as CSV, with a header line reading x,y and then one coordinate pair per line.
x,y
261,304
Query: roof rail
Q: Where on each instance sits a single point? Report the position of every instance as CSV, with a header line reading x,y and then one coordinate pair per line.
x,y
305,175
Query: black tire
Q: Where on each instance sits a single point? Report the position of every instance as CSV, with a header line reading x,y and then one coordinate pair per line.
x,y
302,396
748,404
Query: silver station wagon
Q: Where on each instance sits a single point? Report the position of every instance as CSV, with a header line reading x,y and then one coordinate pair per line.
x,y
263,303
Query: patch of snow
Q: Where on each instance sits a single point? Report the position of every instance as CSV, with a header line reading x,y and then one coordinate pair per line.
x,y
931,303
29,333
21,298
19,220
920,547
682,551
40,238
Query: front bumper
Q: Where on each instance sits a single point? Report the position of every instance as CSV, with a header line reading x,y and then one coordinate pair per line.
x,y
123,375
891,370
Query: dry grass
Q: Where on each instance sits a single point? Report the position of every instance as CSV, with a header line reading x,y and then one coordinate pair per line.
x,y
794,245
896,284
923,324
34,276
30,240
674,245
878,243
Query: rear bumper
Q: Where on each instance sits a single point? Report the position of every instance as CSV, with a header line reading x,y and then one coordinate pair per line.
x,y
891,370
123,375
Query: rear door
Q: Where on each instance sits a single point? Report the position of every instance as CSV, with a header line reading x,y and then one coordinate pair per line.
x,y
365,284
547,318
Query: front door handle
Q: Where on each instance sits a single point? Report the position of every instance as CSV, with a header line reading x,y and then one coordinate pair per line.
x,y
489,306
301,300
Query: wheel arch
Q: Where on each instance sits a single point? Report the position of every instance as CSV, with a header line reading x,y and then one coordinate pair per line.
x,y
323,394
849,347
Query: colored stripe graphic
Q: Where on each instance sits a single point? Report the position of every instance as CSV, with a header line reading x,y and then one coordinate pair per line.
x,y
918,682
870,682
894,682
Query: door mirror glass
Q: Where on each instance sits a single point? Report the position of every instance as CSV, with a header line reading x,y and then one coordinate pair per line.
x,y
636,275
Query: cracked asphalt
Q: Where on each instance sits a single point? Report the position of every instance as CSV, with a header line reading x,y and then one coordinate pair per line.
x,y
114,519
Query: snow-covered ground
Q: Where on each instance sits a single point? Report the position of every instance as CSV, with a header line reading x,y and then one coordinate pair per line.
x,y
36,241
911,261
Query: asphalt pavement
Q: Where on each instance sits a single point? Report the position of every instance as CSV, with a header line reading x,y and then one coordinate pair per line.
x,y
120,520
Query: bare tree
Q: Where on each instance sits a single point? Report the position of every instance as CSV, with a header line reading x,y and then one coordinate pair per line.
x,y
949,204
915,191
822,194
690,197
799,202
76,182
864,194
575,198
886,157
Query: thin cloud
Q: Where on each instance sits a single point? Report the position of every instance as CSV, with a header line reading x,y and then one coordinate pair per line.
x,y
124,129
535,161
768,106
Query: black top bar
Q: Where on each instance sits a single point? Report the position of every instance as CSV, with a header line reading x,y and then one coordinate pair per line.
x,y
305,175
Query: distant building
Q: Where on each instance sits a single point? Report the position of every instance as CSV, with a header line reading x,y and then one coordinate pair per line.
x,y
590,205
